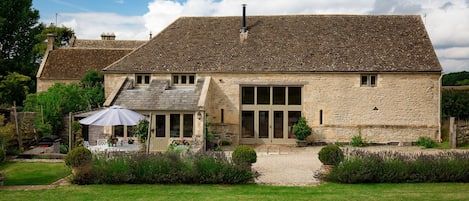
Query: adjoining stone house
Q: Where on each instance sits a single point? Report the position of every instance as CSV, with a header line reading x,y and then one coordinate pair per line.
x,y
377,76
70,64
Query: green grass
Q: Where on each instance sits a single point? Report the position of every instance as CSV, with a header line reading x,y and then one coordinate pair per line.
x,y
445,145
33,173
423,191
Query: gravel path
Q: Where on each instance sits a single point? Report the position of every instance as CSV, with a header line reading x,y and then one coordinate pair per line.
x,y
287,166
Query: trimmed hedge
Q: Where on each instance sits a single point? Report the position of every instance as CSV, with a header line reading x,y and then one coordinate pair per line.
x,y
78,156
244,154
163,168
394,167
331,155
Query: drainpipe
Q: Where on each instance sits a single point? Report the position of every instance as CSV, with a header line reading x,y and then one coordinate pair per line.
x,y
439,107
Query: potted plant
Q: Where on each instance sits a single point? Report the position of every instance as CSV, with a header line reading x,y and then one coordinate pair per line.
x,y
301,131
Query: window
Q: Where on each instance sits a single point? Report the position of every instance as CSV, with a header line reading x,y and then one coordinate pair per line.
x,y
118,131
142,79
247,95
368,81
160,125
222,119
174,125
320,117
293,117
294,95
263,95
269,112
180,125
247,124
183,79
188,125
279,95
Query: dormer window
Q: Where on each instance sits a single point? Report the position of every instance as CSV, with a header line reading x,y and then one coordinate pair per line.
x,y
183,79
142,79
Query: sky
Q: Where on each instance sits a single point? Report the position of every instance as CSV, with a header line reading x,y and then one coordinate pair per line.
x,y
446,21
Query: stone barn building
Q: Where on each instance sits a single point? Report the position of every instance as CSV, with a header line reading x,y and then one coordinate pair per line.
x,y
70,64
373,75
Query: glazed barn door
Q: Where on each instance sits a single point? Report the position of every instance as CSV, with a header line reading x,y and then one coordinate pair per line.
x,y
161,140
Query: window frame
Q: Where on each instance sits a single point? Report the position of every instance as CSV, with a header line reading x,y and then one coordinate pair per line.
x,y
368,80
142,79
183,79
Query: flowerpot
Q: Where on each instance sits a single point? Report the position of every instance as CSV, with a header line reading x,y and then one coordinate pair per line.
x,y
301,143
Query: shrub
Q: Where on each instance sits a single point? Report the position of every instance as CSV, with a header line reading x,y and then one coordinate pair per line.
x,y
244,154
63,149
163,168
331,155
78,156
394,167
301,129
358,141
426,142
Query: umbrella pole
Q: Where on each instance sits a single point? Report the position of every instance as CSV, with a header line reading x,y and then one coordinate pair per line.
x,y
149,134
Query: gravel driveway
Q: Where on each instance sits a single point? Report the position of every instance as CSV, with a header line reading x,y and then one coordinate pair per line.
x,y
287,166
283,165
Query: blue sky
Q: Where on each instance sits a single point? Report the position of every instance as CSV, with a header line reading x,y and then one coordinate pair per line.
x,y
447,21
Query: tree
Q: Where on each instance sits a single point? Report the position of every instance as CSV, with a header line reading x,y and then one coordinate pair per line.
x,y
93,83
18,28
456,79
63,36
60,99
455,104
13,87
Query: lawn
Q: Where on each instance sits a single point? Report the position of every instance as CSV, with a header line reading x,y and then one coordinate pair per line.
x,y
424,191
33,173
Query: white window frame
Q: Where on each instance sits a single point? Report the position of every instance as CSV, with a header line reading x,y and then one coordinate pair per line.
x,y
142,79
369,78
183,77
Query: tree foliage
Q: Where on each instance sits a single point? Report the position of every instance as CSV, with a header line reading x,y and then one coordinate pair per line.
x,y
63,35
93,83
18,28
60,99
13,87
456,79
455,104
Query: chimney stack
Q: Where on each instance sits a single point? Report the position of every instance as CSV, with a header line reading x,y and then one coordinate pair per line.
x,y
108,36
243,30
50,41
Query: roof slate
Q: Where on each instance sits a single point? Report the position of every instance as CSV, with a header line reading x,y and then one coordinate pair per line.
x,y
291,43
158,96
107,43
73,63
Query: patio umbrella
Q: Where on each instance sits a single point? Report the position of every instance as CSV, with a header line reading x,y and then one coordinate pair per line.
x,y
113,116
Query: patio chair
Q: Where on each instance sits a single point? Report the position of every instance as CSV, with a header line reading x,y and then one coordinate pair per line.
x,y
102,144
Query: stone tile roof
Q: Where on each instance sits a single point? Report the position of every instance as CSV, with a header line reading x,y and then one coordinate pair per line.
x,y
158,96
106,43
73,63
292,43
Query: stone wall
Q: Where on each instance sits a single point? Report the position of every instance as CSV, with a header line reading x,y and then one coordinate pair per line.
x,y
402,107
44,84
462,135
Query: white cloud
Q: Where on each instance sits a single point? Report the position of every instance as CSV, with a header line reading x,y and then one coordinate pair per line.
x,y
92,25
